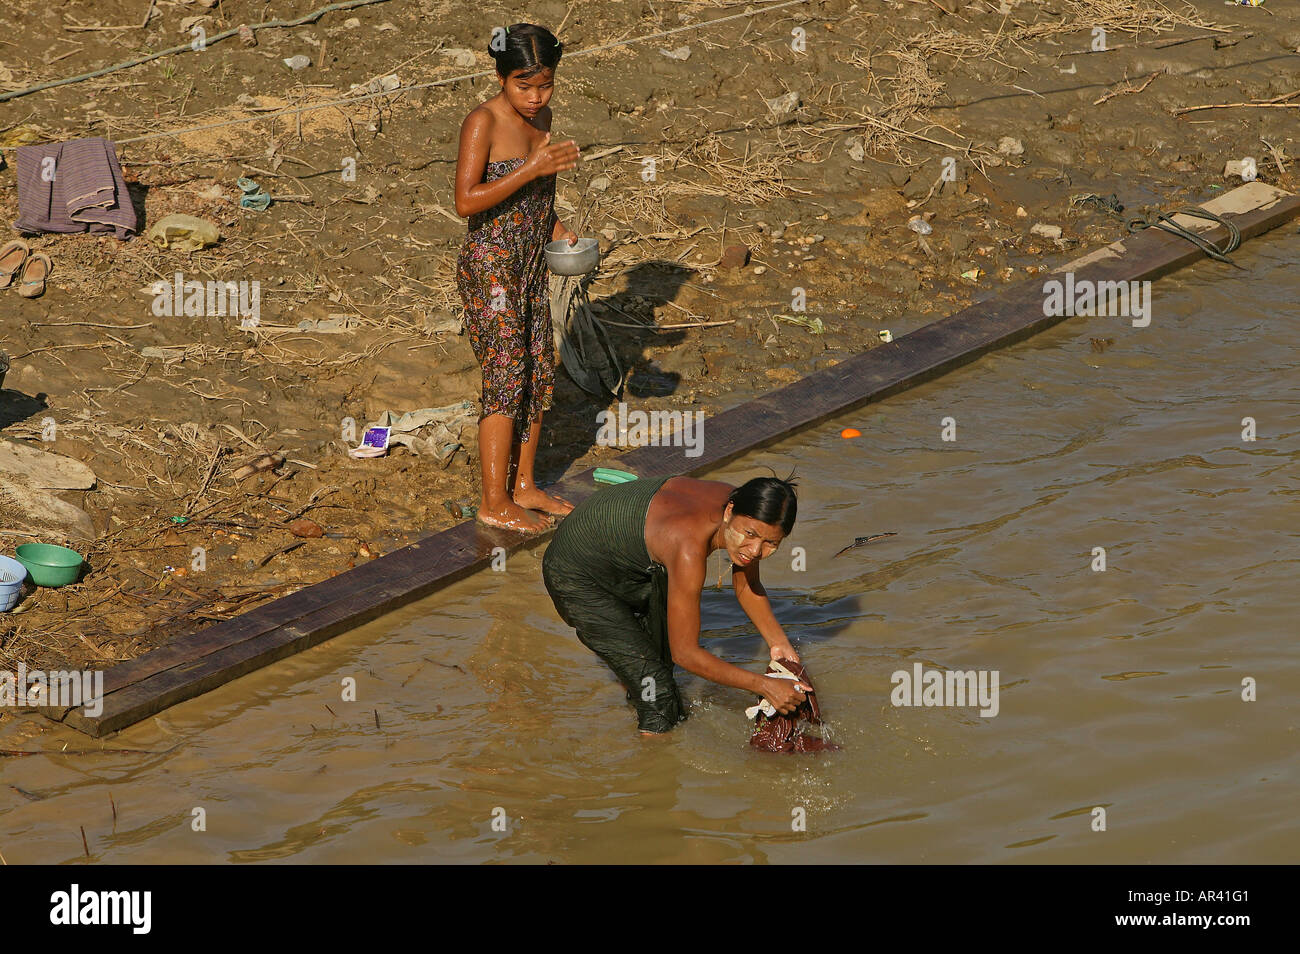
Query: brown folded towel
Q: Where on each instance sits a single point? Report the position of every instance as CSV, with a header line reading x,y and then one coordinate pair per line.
x,y
88,193
782,733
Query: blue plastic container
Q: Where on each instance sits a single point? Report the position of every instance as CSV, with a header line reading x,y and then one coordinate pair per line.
x,y
12,575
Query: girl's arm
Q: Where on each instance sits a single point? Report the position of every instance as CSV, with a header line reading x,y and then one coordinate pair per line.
x,y
472,193
685,583
753,600
559,230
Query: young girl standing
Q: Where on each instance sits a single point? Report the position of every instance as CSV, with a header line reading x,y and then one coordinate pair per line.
x,y
505,186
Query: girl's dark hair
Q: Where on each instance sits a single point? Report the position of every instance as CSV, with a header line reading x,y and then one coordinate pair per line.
x,y
768,500
528,47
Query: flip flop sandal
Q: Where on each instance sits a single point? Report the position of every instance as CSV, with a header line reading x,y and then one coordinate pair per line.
x,y
8,267
35,287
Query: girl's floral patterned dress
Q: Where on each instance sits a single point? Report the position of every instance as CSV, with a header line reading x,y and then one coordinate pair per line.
x,y
503,282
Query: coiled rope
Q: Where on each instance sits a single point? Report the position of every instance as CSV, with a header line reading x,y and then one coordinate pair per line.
x,y
1165,222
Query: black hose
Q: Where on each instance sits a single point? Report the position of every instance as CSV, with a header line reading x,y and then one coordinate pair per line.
x,y
1166,223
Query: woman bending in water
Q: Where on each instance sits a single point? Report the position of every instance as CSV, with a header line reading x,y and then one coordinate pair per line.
x,y
626,569
505,185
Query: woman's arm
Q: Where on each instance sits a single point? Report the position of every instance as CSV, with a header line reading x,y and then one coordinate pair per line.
x,y
753,600
685,583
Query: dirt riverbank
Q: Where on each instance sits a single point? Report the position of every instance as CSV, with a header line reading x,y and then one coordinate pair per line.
x,y
815,159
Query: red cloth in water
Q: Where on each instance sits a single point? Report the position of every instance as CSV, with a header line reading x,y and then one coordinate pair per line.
x,y
782,733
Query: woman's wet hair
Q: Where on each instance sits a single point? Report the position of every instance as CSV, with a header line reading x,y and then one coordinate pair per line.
x,y
528,47
767,500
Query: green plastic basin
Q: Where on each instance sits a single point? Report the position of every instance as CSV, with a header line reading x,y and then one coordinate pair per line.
x,y
49,565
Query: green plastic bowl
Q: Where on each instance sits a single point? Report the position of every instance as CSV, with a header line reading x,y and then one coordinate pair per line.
x,y
608,475
49,565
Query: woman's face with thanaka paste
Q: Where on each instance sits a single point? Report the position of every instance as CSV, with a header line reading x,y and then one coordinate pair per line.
x,y
747,539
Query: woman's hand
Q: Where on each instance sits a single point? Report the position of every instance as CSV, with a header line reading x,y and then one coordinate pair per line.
x,y
564,233
783,694
547,159
785,651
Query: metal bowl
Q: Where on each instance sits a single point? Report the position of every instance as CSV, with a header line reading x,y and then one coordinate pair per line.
x,y
577,259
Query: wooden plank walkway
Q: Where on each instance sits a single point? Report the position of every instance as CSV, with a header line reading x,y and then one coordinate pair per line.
x,y
194,664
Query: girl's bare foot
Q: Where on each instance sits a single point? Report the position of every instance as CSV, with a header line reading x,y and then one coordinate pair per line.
x,y
513,517
538,499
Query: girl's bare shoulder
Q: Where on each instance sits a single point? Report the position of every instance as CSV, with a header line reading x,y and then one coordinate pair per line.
x,y
482,118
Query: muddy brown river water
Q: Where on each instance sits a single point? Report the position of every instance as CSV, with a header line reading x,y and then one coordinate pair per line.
x,y
1120,689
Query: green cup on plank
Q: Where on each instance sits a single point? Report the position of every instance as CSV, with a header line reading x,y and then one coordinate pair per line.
x,y
49,565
